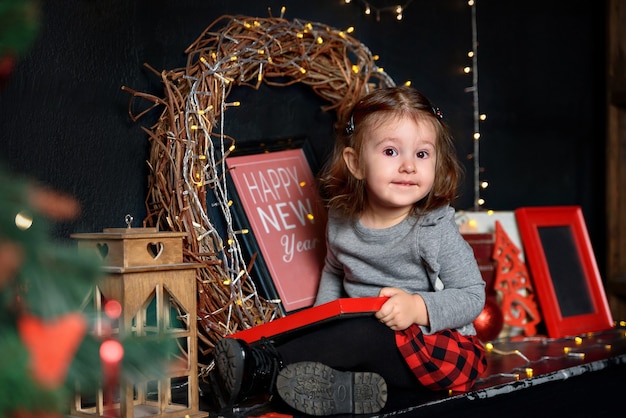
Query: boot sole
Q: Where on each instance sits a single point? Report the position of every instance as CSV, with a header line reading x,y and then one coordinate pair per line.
x,y
230,361
317,389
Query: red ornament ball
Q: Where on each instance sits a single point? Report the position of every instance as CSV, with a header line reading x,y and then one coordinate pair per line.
x,y
490,321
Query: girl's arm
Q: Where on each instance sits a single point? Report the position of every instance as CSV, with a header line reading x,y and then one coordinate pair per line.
x,y
463,296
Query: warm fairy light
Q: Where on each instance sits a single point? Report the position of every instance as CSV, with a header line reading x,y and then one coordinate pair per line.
x,y
480,201
320,40
472,223
202,157
302,183
370,9
484,184
310,216
194,127
242,231
407,83
230,203
355,69
347,1
226,282
483,117
473,69
490,212
23,221
350,29
111,352
231,148
300,35
113,309
527,370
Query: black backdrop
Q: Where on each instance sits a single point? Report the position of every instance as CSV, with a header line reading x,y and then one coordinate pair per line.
x,y
64,121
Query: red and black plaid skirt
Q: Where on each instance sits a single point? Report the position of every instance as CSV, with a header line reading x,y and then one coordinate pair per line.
x,y
443,360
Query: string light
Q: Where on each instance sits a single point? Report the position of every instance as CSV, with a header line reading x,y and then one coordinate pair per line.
x,y
586,346
23,220
477,116
369,8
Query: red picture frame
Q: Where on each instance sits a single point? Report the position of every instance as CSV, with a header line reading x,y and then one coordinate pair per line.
x,y
563,269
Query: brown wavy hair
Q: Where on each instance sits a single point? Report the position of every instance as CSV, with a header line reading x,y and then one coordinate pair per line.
x,y
344,193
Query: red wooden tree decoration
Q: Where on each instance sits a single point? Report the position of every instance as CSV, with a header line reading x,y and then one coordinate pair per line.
x,y
513,284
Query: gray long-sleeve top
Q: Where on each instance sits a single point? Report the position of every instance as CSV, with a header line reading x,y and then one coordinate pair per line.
x,y
425,255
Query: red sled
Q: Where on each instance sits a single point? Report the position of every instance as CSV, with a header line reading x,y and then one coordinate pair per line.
x,y
297,321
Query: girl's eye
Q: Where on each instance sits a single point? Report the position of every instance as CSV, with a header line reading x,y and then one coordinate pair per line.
x,y
390,152
422,154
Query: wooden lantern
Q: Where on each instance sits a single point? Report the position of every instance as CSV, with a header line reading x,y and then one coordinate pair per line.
x,y
145,273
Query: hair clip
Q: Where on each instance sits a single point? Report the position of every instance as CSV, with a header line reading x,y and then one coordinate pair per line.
x,y
437,112
350,126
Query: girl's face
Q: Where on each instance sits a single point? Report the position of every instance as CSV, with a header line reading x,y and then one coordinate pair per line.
x,y
398,165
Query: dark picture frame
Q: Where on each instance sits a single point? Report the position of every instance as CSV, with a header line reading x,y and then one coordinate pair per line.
x,y
563,269
276,200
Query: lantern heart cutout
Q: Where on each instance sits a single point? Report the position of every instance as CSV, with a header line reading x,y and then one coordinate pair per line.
x,y
52,345
155,249
103,250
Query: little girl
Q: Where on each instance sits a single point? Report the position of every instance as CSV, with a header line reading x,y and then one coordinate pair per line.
x,y
391,233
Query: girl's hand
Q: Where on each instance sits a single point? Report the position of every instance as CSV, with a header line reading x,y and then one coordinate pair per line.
x,y
402,309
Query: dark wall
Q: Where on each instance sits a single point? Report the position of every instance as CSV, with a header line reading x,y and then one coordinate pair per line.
x,y
64,116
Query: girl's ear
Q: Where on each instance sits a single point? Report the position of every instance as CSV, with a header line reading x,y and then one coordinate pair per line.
x,y
351,158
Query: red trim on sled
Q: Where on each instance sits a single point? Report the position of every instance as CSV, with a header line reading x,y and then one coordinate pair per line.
x,y
310,316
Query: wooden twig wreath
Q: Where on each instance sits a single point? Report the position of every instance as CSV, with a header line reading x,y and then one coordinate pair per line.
x,y
189,145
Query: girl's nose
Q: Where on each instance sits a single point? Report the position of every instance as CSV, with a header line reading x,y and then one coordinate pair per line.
x,y
407,166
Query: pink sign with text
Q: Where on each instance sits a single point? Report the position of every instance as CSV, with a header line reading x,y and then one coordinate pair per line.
x,y
281,202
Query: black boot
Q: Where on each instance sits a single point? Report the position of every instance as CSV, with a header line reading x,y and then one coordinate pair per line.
x,y
246,371
317,389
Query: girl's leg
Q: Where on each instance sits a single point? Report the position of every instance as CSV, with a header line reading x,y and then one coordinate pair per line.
x,y
358,343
